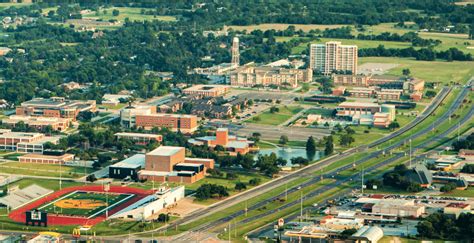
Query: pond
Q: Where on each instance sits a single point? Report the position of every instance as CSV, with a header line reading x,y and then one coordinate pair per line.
x,y
289,153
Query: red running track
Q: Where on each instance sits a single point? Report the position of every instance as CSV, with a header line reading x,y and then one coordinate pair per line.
x,y
19,215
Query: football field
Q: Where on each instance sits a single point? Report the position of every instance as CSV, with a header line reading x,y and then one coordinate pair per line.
x,y
85,204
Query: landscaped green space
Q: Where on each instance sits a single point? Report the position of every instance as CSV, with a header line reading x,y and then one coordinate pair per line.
x,y
434,71
133,14
48,170
7,5
45,183
469,192
276,118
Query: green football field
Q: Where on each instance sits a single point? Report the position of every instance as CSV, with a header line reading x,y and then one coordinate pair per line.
x,y
84,204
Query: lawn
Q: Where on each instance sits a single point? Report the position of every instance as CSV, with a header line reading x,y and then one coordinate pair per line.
x,y
43,170
360,44
469,192
268,118
133,14
430,71
45,183
81,203
7,5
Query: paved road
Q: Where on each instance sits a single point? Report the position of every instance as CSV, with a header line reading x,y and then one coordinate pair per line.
x,y
285,179
375,154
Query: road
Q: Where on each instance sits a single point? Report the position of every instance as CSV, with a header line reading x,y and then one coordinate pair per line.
x,y
242,197
426,113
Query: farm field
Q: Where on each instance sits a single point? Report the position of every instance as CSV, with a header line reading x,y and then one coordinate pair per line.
x,y
434,71
268,118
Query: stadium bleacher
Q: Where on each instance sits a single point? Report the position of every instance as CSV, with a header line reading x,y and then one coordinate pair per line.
x,y
18,198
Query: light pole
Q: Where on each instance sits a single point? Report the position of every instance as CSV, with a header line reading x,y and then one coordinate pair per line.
x,y
410,153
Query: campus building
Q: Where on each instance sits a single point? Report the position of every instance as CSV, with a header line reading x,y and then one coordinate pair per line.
x,y
333,56
146,117
55,107
367,113
140,138
39,122
207,90
24,142
249,76
169,164
222,138
400,208
46,159
128,167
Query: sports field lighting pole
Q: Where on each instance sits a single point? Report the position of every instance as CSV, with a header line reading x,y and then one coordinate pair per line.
x,y
106,189
410,152
60,176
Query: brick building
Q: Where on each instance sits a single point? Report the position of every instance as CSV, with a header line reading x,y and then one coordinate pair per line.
x,y
233,144
207,90
55,107
56,123
249,76
169,164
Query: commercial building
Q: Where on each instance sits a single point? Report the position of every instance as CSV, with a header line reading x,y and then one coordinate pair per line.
x,y
360,92
370,234
466,154
457,208
39,122
128,168
55,107
339,91
146,117
400,208
46,159
389,94
140,138
333,56
167,163
233,144
114,99
357,108
249,76
207,90
24,142
367,113
421,175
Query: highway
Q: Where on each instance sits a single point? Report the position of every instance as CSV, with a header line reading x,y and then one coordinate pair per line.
x,y
306,170
458,101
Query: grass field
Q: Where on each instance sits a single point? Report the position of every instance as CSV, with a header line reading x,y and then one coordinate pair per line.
x,y
360,44
7,5
469,192
304,27
84,204
133,14
43,170
440,71
284,113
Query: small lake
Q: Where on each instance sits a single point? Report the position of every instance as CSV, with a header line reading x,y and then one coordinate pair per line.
x,y
289,153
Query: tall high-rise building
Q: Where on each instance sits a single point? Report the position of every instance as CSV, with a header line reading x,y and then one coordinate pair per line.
x,y
332,56
235,52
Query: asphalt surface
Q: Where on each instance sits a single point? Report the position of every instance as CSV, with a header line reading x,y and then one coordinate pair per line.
x,y
317,166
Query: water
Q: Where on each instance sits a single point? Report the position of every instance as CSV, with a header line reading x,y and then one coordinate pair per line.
x,y
289,153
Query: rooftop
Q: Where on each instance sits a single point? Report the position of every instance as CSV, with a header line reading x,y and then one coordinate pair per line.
x,y
42,156
166,151
457,205
137,160
359,104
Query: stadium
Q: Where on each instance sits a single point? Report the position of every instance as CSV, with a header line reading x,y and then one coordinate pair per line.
x,y
82,205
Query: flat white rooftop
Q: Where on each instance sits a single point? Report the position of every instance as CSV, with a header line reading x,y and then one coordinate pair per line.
x,y
131,162
166,150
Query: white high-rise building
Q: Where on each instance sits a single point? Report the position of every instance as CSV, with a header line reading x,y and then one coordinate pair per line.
x,y
332,56
235,52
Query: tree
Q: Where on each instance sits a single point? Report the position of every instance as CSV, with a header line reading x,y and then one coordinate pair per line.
x,y
430,93
115,12
311,145
91,178
448,187
468,168
406,72
254,181
345,234
274,109
239,186
393,125
425,229
329,146
283,140
346,139
163,218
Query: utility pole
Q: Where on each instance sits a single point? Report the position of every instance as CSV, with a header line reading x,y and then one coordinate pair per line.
x,y
301,207
410,153
246,209
362,186
458,131
286,192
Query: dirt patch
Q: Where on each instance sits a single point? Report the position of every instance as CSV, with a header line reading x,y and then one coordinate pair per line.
x,y
184,207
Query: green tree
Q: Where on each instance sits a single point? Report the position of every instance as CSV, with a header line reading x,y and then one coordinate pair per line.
x,y
239,186
329,146
311,145
283,140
